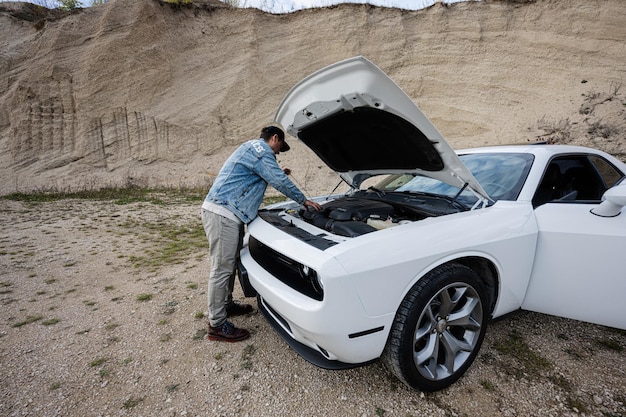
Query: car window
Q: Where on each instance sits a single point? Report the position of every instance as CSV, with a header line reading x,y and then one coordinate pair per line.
x,y
610,175
501,176
576,178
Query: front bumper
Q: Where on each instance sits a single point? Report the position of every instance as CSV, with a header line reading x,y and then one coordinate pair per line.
x,y
316,357
333,333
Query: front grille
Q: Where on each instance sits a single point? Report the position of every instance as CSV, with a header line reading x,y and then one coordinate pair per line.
x,y
284,269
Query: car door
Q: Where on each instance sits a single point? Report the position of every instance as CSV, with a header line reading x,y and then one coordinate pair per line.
x,y
579,270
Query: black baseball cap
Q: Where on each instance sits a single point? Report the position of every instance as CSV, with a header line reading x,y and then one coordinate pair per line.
x,y
269,131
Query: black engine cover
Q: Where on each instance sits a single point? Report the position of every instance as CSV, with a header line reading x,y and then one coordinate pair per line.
x,y
357,209
346,216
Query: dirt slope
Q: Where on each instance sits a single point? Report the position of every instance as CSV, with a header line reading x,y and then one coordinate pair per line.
x,y
137,91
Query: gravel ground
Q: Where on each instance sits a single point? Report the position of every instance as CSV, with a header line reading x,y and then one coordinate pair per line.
x,y
102,316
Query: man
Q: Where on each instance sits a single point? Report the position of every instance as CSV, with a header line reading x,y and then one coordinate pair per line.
x,y
234,200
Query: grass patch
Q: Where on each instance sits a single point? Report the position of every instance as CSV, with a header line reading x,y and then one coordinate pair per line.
x,y
27,320
127,194
527,362
111,326
144,297
132,402
97,362
488,385
50,322
168,243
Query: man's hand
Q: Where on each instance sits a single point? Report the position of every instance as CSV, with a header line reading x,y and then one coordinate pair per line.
x,y
313,204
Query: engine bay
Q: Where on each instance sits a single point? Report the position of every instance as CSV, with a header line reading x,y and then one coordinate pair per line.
x,y
356,216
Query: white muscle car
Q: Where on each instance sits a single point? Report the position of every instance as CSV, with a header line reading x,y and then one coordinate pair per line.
x,y
411,268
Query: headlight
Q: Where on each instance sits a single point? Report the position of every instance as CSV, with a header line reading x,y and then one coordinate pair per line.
x,y
311,276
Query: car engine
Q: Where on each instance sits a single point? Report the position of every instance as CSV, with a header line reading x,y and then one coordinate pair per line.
x,y
355,216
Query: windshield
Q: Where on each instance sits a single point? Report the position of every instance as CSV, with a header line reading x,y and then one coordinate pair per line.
x,y
501,176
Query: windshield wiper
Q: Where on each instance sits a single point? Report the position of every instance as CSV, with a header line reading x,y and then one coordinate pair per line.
x,y
452,201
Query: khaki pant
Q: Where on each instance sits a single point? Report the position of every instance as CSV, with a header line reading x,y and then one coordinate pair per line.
x,y
225,238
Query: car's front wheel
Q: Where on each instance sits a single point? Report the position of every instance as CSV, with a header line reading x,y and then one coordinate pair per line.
x,y
438,328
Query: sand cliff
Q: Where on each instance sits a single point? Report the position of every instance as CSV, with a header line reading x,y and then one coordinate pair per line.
x,y
135,90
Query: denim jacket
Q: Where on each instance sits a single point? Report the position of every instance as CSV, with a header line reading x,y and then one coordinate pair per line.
x,y
241,183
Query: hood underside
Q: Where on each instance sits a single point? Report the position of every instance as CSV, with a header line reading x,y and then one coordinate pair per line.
x,y
361,124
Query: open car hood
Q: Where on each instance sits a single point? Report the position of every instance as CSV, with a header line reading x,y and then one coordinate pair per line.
x,y
361,124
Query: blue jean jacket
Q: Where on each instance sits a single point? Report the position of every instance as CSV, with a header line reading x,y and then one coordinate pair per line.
x,y
241,183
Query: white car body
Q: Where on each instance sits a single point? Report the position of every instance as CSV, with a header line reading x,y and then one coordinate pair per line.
x,y
558,258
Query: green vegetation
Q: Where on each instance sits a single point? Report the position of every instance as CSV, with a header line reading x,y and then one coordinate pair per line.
x,y
27,320
132,402
69,4
527,361
119,195
178,4
97,362
487,385
169,243
111,326
144,297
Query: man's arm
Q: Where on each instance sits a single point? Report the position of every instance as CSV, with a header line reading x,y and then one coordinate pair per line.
x,y
268,169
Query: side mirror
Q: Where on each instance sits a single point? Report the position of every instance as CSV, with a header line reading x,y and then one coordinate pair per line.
x,y
613,200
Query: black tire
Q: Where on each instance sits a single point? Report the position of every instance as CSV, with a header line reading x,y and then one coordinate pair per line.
x,y
439,328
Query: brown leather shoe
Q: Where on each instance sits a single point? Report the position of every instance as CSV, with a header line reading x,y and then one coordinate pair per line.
x,y
236,309
227,332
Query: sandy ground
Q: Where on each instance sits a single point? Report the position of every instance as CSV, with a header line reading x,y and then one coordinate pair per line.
x,y
76,339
